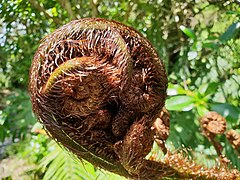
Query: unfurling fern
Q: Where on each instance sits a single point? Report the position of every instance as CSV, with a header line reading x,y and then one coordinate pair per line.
x,y
98,87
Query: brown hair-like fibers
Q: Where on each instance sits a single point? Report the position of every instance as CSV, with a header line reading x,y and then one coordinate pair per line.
x,y
98,86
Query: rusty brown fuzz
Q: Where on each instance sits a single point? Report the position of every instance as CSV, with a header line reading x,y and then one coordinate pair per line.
x,y
98,86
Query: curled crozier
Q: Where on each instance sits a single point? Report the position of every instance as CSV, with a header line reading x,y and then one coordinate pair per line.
x,y
89,81
98,86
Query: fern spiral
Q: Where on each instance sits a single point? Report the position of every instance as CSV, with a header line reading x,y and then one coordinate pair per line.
x,y
98,86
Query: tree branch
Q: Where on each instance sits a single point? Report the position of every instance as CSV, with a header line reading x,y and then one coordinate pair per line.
x,y
40,8
68,7
94,6
128,11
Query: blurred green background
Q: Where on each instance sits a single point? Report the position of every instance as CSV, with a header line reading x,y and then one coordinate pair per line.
x,y
198,41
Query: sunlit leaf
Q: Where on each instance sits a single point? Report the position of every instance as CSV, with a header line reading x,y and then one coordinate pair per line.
x,y
189,32
2,118
202,110
180,103
175,89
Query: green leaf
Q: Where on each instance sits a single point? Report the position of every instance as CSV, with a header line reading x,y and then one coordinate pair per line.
x,y
61,164
180,103
211,45
232,12
181,125
189,32
2,118
231,32
56,164
230,112
212,88
208,88
202,110
175,89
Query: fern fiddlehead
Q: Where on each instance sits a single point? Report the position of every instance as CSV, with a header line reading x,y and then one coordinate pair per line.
x,y
98,86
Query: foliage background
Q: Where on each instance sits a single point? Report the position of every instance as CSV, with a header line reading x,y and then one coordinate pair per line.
x,y
198,42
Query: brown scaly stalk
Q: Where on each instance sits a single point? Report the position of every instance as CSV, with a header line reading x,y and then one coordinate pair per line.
x,y
98,87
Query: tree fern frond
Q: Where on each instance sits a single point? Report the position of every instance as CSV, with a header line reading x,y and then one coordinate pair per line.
x,y
59,164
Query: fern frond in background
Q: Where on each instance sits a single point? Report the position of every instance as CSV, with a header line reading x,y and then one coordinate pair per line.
x,y
198,42
61,164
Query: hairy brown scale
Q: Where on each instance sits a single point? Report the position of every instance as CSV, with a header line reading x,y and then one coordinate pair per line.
x,y
98,86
